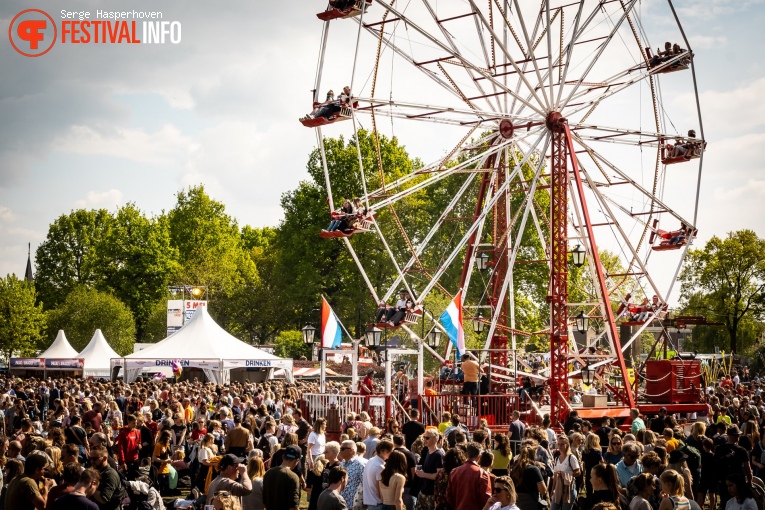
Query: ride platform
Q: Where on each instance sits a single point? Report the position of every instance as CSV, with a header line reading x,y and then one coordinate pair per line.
x,y
345,113
354,10
666,247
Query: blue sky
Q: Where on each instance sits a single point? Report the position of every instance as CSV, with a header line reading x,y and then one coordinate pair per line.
x,y
100,126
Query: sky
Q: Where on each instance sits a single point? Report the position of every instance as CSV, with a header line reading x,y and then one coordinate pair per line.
x,y
92,126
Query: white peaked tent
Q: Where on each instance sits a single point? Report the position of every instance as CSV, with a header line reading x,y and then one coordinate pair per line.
x,y
201,343
97,356
60,348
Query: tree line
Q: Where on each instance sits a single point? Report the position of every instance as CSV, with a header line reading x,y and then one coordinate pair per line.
x,y
112,269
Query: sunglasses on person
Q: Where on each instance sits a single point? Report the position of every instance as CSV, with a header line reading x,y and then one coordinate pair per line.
x,y
428,437
616,442
222,494
496,490
345,448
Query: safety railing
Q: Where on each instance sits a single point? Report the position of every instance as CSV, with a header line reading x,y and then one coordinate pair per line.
x,y
497,410
335,408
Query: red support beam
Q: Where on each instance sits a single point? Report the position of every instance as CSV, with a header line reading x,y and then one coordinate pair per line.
x,y
558,290
625,393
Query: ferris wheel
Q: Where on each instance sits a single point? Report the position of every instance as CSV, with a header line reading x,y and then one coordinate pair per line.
x,y
562,129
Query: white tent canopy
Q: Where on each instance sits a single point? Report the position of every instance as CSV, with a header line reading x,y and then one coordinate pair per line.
x,y
60,348
201,343
97,355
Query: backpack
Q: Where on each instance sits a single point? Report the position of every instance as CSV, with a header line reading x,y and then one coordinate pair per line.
x,y
694,457
264,445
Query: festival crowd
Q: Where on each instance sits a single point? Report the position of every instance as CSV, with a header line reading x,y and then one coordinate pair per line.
x,y
153,444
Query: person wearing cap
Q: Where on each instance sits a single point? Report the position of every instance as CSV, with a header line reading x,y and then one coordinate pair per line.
x,y
731,458
281,487
677,461
231,478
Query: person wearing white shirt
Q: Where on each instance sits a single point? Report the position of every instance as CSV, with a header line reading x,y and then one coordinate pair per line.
x,y
372,473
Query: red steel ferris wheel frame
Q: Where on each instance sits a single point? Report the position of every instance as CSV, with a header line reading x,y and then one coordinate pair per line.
x,y
562,152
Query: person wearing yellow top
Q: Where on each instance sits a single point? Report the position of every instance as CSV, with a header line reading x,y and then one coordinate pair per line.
x,y
161,459
723,417
502,455
188,412
672,443
446,422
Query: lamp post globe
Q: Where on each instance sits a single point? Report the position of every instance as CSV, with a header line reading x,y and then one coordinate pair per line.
x,y
578,255
482,261
582,322
478,323
587,374
373,334
309,332
434,338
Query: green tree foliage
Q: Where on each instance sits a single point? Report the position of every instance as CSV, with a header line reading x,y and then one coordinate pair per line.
x,y
68,256
209,244
253,310
136,262
725,282
308,266
86,309
21,319
289,344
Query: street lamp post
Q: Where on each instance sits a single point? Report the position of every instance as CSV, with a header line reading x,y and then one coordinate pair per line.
x,y
482,261
587,374
578,255
582,323
478,324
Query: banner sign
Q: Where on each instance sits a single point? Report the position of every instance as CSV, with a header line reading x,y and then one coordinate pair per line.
x,y
174,315
190,306
27,362
65,364
156,363
258,363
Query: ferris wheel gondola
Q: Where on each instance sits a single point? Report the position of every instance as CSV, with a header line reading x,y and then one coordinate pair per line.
x,y
558,135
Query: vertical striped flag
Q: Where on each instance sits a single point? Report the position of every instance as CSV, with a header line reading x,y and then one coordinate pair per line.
x,y
452,322
331,332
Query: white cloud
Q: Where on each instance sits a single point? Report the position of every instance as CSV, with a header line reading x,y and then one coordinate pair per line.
x,y
711,9
6,214
163,146
700,42
100,199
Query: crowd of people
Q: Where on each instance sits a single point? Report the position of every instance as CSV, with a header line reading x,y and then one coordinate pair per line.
x,y
86,444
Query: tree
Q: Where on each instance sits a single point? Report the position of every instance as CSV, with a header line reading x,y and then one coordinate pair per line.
x,y
209,244
68,256
725,281
85,310
252,311
136,262
289,344
21,319
307,266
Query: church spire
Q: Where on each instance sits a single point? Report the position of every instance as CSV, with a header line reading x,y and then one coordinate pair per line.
x,y
28,276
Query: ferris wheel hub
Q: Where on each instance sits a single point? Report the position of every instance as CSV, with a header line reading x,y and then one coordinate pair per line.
x,y
555,122
506,129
